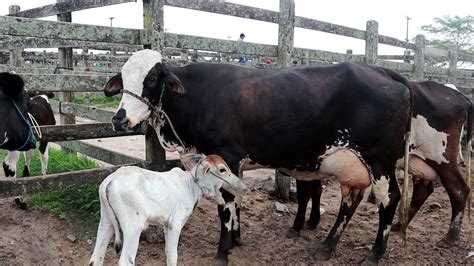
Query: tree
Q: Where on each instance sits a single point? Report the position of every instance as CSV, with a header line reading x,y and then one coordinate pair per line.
x,y
452,31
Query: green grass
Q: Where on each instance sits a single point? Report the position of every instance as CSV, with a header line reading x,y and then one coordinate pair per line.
x,y
97,101
80,206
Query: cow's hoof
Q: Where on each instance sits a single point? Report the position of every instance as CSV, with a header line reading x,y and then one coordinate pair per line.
x,y
371,259
322,254
396,227
311,226
219,260
446,243
236,242
292,233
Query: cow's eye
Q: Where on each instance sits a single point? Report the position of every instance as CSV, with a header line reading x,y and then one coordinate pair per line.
x,y
222,170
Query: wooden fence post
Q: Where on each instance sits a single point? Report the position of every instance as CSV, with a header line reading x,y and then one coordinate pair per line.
x,y
453,62
286,33
65,60
153,20
16,60
419,61
371,42
348,55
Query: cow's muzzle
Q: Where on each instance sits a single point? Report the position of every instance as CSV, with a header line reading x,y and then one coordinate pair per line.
x,y
120,120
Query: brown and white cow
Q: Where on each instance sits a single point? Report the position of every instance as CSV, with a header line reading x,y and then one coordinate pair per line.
x,y
436,127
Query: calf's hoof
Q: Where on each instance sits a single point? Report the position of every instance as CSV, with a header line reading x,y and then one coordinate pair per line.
x,y
292,233
371,259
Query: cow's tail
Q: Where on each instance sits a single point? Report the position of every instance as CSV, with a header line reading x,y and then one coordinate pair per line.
x,y
468,156
105,203
404,206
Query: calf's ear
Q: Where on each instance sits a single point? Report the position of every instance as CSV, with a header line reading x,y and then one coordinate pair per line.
x,y
11,84
114,86
190,160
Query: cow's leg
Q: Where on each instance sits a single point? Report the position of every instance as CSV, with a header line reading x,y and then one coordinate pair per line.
x,y
303,191
349,204
458,192
371,196
387,194
26,170
225,215
10,163
315,215
104,234
421,191
44,156
131,229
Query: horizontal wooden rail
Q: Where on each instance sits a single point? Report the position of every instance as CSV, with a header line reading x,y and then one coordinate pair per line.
x,y
84,111
65,82
27,27
217,45
85,57
65,7
83,131
225,8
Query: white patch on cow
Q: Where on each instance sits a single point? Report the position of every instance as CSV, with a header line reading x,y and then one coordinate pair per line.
x,y
44,97
11,160
134,72
387,231
5,139
44,160
452,86
380,188
233,215
429,143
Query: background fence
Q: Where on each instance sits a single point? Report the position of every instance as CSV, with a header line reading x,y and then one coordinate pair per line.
x,y
86,72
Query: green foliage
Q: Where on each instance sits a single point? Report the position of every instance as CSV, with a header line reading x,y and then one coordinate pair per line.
x,y
100,101
78,205
59,162
452,31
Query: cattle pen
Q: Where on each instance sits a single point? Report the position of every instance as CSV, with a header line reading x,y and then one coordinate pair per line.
x,y
22,30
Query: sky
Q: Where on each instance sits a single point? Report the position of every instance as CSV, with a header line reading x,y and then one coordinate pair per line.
x,y
391,16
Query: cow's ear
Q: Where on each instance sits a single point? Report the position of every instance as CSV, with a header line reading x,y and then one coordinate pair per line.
x,y
171,79
11,84
190,160
114,86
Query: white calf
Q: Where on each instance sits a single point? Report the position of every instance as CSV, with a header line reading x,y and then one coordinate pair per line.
x,y
131,198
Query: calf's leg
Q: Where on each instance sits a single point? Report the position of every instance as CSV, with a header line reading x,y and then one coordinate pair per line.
x,y
171,244
44,156
104,234
26,169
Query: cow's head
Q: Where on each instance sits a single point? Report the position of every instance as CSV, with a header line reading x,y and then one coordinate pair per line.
x,y
15,131
145,75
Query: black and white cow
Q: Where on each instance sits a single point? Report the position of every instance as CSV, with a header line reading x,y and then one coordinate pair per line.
x,y
439,115
15,128
303,121
38,106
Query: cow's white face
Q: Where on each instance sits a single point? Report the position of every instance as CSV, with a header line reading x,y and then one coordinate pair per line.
x,y
134,72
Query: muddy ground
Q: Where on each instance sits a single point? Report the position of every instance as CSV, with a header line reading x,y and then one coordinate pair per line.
x,y
30,238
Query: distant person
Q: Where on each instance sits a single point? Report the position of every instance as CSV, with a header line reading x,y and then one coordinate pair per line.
x,y
242,59
241,37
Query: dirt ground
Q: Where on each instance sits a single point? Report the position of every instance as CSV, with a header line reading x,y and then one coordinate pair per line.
x,y
30,238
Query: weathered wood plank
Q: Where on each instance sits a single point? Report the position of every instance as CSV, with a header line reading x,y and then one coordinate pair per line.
x,y
83,131
82,57
69,31
65,82
436,52
395,57
324,55
466,57
35,184
318,25
225,8
210,44
9,42
70,6
397,66
395,42
99,153
84,111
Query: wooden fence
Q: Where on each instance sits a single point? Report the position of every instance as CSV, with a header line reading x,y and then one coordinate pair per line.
x,y
22,30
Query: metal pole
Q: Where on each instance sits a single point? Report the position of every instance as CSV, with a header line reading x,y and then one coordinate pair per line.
x,y
111,18
408,19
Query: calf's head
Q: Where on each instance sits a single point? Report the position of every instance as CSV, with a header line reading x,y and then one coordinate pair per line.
x,y
15,131
144,75
211,173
